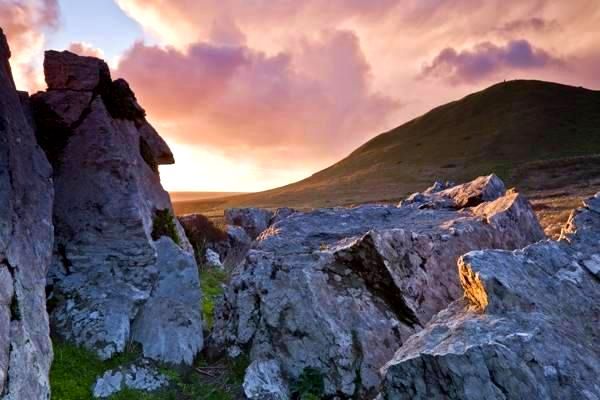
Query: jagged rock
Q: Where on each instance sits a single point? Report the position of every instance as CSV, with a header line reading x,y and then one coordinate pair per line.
x,y
158,148
339,290
110,265
263,381
253,220
213,259
141,376
528,326
121,101
26,196
484,188
66,70
281,213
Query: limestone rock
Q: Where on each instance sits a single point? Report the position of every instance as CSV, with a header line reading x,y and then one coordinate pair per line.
x,y
26,196
169,324
253,220
66,70
110,263
482,189
339,290
528,326
263,381
213,259
141,376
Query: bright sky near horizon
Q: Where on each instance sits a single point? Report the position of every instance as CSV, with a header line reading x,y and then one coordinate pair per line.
x,y
256,94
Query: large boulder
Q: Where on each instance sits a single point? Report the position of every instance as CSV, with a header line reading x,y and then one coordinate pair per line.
x,y
119,254
528,326
339,290
66,70
25,248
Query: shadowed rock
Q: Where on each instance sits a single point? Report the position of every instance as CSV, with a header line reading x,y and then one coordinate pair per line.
x,y
253,220
25,247
339,290
528,326
66,70
109,274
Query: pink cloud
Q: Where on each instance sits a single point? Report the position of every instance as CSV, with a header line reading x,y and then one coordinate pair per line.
x,y
85,49
287,108
25,23
485,60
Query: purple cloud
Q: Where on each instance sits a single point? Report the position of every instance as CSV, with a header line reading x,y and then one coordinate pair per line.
x,y
484,60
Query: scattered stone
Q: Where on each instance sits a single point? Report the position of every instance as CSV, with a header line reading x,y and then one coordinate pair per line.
x,y
527,326
136,377
26,197
339,290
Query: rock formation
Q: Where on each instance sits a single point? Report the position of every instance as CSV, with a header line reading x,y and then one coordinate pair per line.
x,y
527,327
339,290
123,269
25,248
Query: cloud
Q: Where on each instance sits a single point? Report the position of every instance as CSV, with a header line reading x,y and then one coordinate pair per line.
x,y
289,108
25,23
486,60
85,49
535,24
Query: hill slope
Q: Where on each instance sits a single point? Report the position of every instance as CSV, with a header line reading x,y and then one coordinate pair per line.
x,y
511,129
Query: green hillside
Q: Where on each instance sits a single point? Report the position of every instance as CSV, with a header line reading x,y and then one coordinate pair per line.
x,y
502,129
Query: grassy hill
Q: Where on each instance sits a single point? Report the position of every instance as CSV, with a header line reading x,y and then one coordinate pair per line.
x,y
517,129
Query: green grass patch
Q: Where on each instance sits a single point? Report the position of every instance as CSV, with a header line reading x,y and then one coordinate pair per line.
x,y
74,371
164,225
211,281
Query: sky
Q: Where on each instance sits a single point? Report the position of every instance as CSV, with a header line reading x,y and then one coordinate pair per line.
x,y
255,94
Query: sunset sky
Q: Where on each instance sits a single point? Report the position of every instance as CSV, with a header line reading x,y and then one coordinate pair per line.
x,y
254,94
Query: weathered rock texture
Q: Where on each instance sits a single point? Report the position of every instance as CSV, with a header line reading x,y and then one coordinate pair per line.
x,y
528,326
339,290
113,277
141,376
25,248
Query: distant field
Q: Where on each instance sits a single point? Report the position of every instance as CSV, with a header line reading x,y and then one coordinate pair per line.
x,y
543,138
191,196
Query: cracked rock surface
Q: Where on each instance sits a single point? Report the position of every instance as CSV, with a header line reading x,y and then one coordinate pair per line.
x,y
25,247
109,269
528,326
339,290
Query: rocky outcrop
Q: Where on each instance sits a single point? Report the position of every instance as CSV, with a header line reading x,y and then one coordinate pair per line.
x,y
527,327
25,248
123,268
339,290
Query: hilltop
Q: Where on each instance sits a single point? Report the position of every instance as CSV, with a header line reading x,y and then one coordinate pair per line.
x,y
531,133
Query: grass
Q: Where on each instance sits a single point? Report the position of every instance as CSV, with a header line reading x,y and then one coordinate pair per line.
x,y
75,370
164,225
211,281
